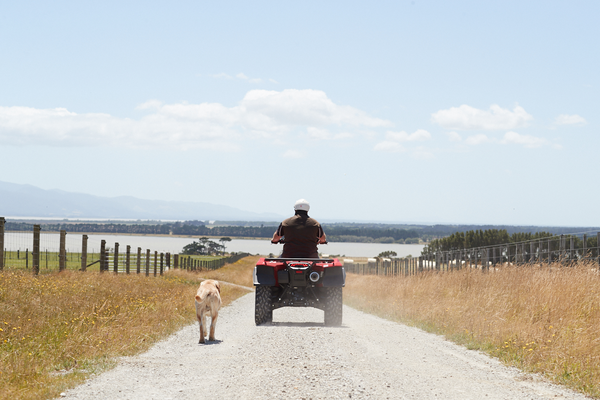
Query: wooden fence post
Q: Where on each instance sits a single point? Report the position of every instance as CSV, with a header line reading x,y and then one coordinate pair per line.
x,y
162,257
168,261
62,251
116,259
35,256
175,261
102,254
572,251
138,261
128,259
2,221
155,261
147,262
84,239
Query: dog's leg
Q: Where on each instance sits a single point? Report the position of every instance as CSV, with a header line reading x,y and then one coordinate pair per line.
x,y
200,316
213,324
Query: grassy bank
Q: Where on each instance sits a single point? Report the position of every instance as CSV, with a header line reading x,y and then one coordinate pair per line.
x,y
57,329
543,320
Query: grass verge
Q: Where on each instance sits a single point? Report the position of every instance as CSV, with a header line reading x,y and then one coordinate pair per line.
x,y
539,319
57,329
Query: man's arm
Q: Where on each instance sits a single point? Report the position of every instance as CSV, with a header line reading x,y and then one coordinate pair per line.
x,y
276,238
323,238
278,234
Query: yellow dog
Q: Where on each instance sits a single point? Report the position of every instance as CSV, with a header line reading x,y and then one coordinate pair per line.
x,y
208,302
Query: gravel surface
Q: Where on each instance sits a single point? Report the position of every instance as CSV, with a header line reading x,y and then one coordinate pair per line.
x,y
298,358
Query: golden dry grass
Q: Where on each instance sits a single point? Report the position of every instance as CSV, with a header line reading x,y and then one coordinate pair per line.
x,y
239,273
56,329
540,319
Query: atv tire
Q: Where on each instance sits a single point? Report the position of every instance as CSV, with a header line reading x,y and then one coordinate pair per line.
x,y
333,306
263,311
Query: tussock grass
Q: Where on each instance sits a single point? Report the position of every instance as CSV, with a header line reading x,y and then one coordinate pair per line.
x,y
58,328
540,319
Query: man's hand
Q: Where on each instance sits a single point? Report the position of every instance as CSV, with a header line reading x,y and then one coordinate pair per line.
x,y
276,238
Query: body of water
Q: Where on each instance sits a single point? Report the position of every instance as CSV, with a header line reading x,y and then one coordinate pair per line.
x,y
170,244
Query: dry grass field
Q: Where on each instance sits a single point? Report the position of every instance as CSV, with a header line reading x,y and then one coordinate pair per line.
x,y
58,328
540,319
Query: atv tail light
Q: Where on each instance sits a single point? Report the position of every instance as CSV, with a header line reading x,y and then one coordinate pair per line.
x,y
314,276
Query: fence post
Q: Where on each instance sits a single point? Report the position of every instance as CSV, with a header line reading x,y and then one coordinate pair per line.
x,y
175,261
116,259
62,252
155,261
127,259
84,239
584,251
147,262
102,254
162,257
35,256
138,262
168,261
2,221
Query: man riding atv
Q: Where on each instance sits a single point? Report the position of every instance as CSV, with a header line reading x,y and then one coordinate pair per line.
x,y
299,278
300,233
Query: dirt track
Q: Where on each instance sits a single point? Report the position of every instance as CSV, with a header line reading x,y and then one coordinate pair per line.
x,y
297,358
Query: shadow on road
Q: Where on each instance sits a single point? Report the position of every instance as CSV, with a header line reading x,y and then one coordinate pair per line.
x,y
303,325
210,342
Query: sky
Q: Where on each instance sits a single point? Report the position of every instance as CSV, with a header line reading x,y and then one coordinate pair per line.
x,y
454,112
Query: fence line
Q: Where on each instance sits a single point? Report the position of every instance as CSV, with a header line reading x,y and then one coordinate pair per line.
x,y
43,253
565,249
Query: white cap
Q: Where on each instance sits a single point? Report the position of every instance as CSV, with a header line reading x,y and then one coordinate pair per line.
x,y
302,205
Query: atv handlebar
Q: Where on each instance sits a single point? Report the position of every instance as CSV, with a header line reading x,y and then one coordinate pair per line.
x,y
281,241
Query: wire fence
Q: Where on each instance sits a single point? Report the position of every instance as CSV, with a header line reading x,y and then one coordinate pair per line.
x,y
43,252
562,249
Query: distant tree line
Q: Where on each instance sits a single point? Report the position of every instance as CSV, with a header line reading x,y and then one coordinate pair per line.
x,y
443,237
480,238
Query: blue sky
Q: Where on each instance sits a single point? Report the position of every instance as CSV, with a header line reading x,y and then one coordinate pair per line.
x,y
393,111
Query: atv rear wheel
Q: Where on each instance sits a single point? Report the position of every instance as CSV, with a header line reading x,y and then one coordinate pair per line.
x,y
263,311
333,306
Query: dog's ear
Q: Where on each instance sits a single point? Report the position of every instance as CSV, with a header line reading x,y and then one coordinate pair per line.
x,y
218,285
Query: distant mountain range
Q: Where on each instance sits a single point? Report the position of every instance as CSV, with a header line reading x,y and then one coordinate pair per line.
x,y
30,201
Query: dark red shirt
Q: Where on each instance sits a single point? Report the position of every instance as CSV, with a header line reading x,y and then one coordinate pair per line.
x,y
301,235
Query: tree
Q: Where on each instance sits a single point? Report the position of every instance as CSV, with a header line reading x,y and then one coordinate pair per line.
x,y
386,254
194,248
223,240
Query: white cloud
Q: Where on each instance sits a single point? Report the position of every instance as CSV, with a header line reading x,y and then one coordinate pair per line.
x,y
453,136
304,108
565,119
402,136
389,146
477,139
525,140
261,114
293,154
467,118
394,140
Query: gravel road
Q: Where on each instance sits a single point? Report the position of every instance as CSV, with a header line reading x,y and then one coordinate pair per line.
x,y
298,358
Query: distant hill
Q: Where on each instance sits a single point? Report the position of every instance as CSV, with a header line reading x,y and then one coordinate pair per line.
x,y
30,201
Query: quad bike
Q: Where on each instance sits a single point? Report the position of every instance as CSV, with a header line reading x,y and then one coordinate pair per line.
x,y
299,282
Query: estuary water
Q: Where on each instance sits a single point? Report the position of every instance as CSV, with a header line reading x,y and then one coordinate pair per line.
x,y
174,244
